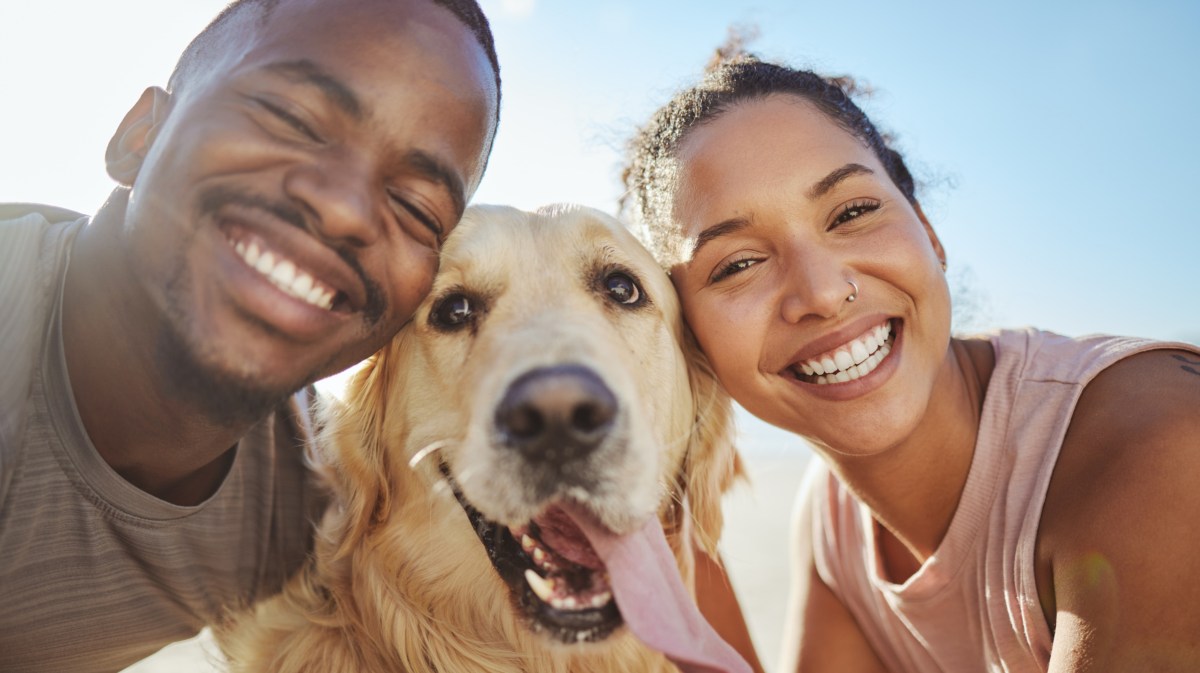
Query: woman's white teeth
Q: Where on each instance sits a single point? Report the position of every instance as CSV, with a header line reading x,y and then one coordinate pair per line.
x,y
852,361
858,351
843,360
285,276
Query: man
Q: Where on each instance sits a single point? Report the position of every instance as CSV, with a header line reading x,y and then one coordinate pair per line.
x,y
278,216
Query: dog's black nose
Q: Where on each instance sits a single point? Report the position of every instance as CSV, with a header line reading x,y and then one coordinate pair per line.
x,y
556,414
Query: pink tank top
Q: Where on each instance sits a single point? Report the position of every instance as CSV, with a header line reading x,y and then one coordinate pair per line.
x,y
973,605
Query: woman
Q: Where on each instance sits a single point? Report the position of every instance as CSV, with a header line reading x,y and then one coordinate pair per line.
x,y
1018,501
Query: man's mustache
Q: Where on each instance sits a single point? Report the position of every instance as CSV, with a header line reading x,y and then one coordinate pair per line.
x,y
213,199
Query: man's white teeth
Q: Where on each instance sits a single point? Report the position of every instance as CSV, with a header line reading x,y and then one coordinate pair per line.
x,y
285,276
852,361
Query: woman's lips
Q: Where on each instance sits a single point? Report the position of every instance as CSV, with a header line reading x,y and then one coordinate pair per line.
x,y
850,361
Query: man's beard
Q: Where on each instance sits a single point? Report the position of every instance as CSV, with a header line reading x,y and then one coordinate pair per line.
x,y
195,370
196,375
224,398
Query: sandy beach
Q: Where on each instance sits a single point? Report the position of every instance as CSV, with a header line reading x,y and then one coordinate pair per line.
x,y
754,546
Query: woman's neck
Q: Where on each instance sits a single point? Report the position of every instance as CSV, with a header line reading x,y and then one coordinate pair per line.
x,y
913,489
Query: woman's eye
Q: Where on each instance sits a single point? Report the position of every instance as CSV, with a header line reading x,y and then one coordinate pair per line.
x,y
452,312
734,267
854,210
623,289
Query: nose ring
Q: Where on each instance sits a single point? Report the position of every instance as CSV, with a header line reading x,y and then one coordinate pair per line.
x,y
854,294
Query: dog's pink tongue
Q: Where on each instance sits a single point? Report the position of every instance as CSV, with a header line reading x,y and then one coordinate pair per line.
x,y
654,602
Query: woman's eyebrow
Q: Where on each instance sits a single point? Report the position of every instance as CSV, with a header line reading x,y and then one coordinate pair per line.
x,y
830,181
716,231
823,187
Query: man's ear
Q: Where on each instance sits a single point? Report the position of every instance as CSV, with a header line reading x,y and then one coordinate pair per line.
x,y
130,144
933,237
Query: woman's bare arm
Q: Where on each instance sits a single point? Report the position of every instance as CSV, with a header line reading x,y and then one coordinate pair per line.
x,y
1119,531
820,634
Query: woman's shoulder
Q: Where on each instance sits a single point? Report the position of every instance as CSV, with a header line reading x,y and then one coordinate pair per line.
x,y
1136,426
1116,530
1138,412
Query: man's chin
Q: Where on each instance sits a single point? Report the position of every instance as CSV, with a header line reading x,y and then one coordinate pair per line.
x,y
226,395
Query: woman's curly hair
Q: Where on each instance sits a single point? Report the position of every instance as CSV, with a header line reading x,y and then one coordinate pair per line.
x,y
733,76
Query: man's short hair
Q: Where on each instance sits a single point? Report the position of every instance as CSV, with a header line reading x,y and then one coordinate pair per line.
x,y
467,11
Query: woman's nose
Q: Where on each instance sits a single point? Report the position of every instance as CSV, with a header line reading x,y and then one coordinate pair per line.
x,y
815,287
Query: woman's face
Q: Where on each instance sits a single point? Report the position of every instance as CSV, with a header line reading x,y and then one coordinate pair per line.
x,y
782,209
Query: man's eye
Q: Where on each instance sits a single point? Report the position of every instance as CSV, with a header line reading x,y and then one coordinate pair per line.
x,y
430,231
296,123
452,312
623,289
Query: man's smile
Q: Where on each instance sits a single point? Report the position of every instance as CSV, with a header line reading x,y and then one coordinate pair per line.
x,y
283,272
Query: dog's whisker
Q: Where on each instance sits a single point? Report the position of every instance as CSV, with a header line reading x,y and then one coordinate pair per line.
x,y
427,451
465,476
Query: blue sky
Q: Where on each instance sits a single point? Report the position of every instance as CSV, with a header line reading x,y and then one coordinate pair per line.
x,y
1056,140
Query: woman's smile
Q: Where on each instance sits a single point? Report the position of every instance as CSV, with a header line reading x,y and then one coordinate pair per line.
x,y
852,360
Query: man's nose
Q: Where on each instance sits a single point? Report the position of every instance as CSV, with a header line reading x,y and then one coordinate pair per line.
x,y
340,194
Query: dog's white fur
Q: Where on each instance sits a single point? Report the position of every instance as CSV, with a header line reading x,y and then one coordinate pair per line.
x,y
399,581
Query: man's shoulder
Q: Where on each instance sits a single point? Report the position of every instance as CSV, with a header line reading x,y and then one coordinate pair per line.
x,y
51,214
27,237
32,243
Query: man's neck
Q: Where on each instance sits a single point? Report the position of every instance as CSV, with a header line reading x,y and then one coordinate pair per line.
x,y
149,434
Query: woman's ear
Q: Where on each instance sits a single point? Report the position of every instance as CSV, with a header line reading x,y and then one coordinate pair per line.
x,y
933,237
129,145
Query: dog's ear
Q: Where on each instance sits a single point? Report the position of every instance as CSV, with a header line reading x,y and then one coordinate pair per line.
x,y
357,435
712,461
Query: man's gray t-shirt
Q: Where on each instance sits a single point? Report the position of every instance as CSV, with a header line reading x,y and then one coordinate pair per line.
x,y
96,574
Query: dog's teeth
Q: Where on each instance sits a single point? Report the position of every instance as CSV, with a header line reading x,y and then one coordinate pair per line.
x,y
601,599
544,588
568,603
528,544
539,556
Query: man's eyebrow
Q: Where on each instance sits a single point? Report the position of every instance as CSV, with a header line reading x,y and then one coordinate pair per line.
x,y
428,167
830,181
718,230
338,92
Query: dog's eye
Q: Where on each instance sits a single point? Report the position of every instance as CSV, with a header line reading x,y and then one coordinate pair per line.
x,y
452,311
623,289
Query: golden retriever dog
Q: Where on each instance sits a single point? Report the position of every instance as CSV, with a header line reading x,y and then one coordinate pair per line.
x,y
544,397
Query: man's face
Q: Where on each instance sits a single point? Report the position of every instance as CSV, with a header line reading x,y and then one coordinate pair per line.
x,y
287,217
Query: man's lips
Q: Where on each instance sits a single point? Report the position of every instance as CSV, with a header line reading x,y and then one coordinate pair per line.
x,y
292,259
283,273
